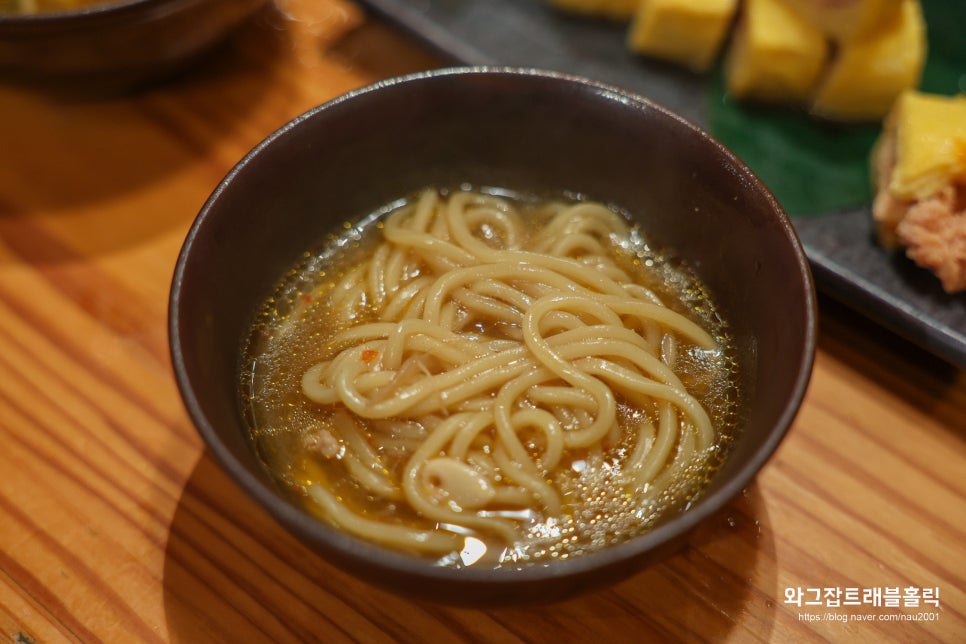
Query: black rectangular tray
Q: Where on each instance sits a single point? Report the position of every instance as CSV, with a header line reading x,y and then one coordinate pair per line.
x,y
847,263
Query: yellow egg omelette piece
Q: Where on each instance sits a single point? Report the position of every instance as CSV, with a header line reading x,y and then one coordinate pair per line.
x,y
845,20
776,55
687,32
930,144
868,74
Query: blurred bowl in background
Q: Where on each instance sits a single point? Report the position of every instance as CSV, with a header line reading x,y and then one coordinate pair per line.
x,y
114,44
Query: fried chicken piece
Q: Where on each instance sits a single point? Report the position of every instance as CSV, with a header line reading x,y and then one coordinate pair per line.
x,y
918,167
934,234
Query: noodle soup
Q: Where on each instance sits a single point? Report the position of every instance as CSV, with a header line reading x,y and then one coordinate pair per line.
x,y
486,379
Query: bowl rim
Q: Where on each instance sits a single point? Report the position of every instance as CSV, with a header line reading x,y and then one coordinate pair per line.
x,y
335,540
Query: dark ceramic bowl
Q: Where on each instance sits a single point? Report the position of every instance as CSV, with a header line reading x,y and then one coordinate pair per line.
x,y
517,129
119,44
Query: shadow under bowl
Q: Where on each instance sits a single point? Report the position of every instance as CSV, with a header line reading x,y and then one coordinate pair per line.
x,y
522,130
114,46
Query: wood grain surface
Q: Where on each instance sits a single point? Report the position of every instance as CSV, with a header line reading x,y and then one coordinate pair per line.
x,y
116,526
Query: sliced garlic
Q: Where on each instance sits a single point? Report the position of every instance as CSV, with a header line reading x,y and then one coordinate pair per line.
x,y
453,481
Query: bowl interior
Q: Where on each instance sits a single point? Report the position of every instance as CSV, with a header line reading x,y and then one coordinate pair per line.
x,y
522,131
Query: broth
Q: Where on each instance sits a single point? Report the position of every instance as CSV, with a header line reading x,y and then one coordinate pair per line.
x,y
475,505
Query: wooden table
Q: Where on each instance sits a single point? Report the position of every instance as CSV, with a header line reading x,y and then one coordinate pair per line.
x,y
116,525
